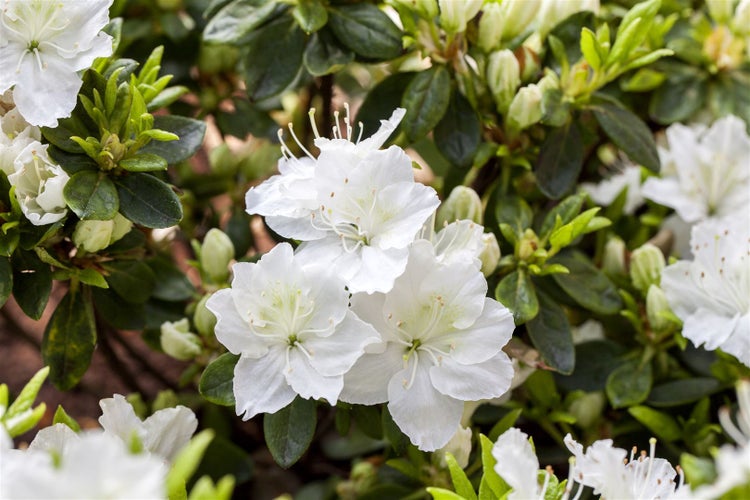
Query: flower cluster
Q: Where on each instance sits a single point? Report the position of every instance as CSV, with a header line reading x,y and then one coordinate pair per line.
x,y
372,307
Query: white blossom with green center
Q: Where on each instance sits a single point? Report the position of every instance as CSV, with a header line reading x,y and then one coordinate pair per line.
x,y
293,330
442,345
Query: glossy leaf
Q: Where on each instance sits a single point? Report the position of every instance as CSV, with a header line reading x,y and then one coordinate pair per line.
x,y
550,333
683,391
560,161
217,381
458,133
324,54
92,195
629,383
366,30
133,280
32,283
147,201
189,131
516,292
426,101
629,133
235,22
170,283
386,95
144,162
311,15
587,284
289,431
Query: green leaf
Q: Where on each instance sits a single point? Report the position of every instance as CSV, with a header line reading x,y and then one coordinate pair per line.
x,y
461,482
426,101
458,133
566,210
60,136
170,283
386,95
560,161
678,99
565,235
443,494
601,357
311,15
61,417
505,423
6,280
235,22
92,195
28,394
368,420
186,463
663,425
217,381
391,431
144,162
109,306
69,339
586,284
492,485
516,292
272,58
189,131
550,333
70,162
629,383
147,201
590,49
324,54
32,283
629,133
366,30
222,458
133,280
92,277
514,211
684,391
289,431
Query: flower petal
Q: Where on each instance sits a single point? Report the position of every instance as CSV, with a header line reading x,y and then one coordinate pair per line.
x,y
486,380
260,385
367,381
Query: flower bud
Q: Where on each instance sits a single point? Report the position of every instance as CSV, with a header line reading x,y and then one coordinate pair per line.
x,y
462,203
203,319
216,253
528,245
518,16
720,10
587,407
613,262
178,341
491,26
741,19
427,9
646,264
656,305
490,254
455,14
526,108
94,235
503,77
459,446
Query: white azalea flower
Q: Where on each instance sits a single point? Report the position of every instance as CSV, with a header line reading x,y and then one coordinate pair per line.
x,y
605,192
164,433
39,185
15,133
6,442
518,465
293,329
705,171
605,469
442,345
711,294
91,465
356,208
43,47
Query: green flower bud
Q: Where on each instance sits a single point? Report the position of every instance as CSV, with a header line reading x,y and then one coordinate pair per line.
x,y
720,10
216,253
94,235
528,245
491,26
504,21
490,255
462,203
587,407
455,14
427,9
526,108
203,319
656,306
123,225
741,19
646,264
613,262
503,77
178,341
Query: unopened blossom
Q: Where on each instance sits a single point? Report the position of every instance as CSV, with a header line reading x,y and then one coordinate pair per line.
x,y
518,465
552,12
43,47
292,328
705,171
607,190
442,345
614,474
164,433
39,185
711,293
356,208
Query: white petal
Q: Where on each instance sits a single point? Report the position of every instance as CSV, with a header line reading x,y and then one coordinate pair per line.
x,y
306,381
53,439
378,269
517,463
367,381
260,385
400,212
486,380
669,192
43,95
169,430
119,418
231,329
484,338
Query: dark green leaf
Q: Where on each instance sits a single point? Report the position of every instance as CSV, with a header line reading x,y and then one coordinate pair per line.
x,y
6,279
235,22
458,133
144,162
69,339
368,420
66,128
311,15
629,384
684,391
289,431
426,100
515,212
550,333
110,308
32,283
560,161
586,284
217,381
366,30
133,280
566,210
601,357
223,457
246,119
71,163
170,283
399,441
238,230
147,201
92,195
629,133
189,131
517,293
386,95
325,55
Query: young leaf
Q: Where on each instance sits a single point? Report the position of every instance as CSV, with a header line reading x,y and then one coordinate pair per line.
x,y
289,431
62,417
144,162
28,394
426,101
461,482
217,381
186,463
92,195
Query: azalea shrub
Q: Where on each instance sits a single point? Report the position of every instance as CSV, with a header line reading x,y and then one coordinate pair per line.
x,y
443,249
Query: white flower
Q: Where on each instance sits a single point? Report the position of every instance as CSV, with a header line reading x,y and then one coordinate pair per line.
x,y
6,442
356,208
91,465
605,469
605,192
43,47
552,12
459,446
711,294
442,345
517,464
39,185
164,433
15,133
293,329
705,171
